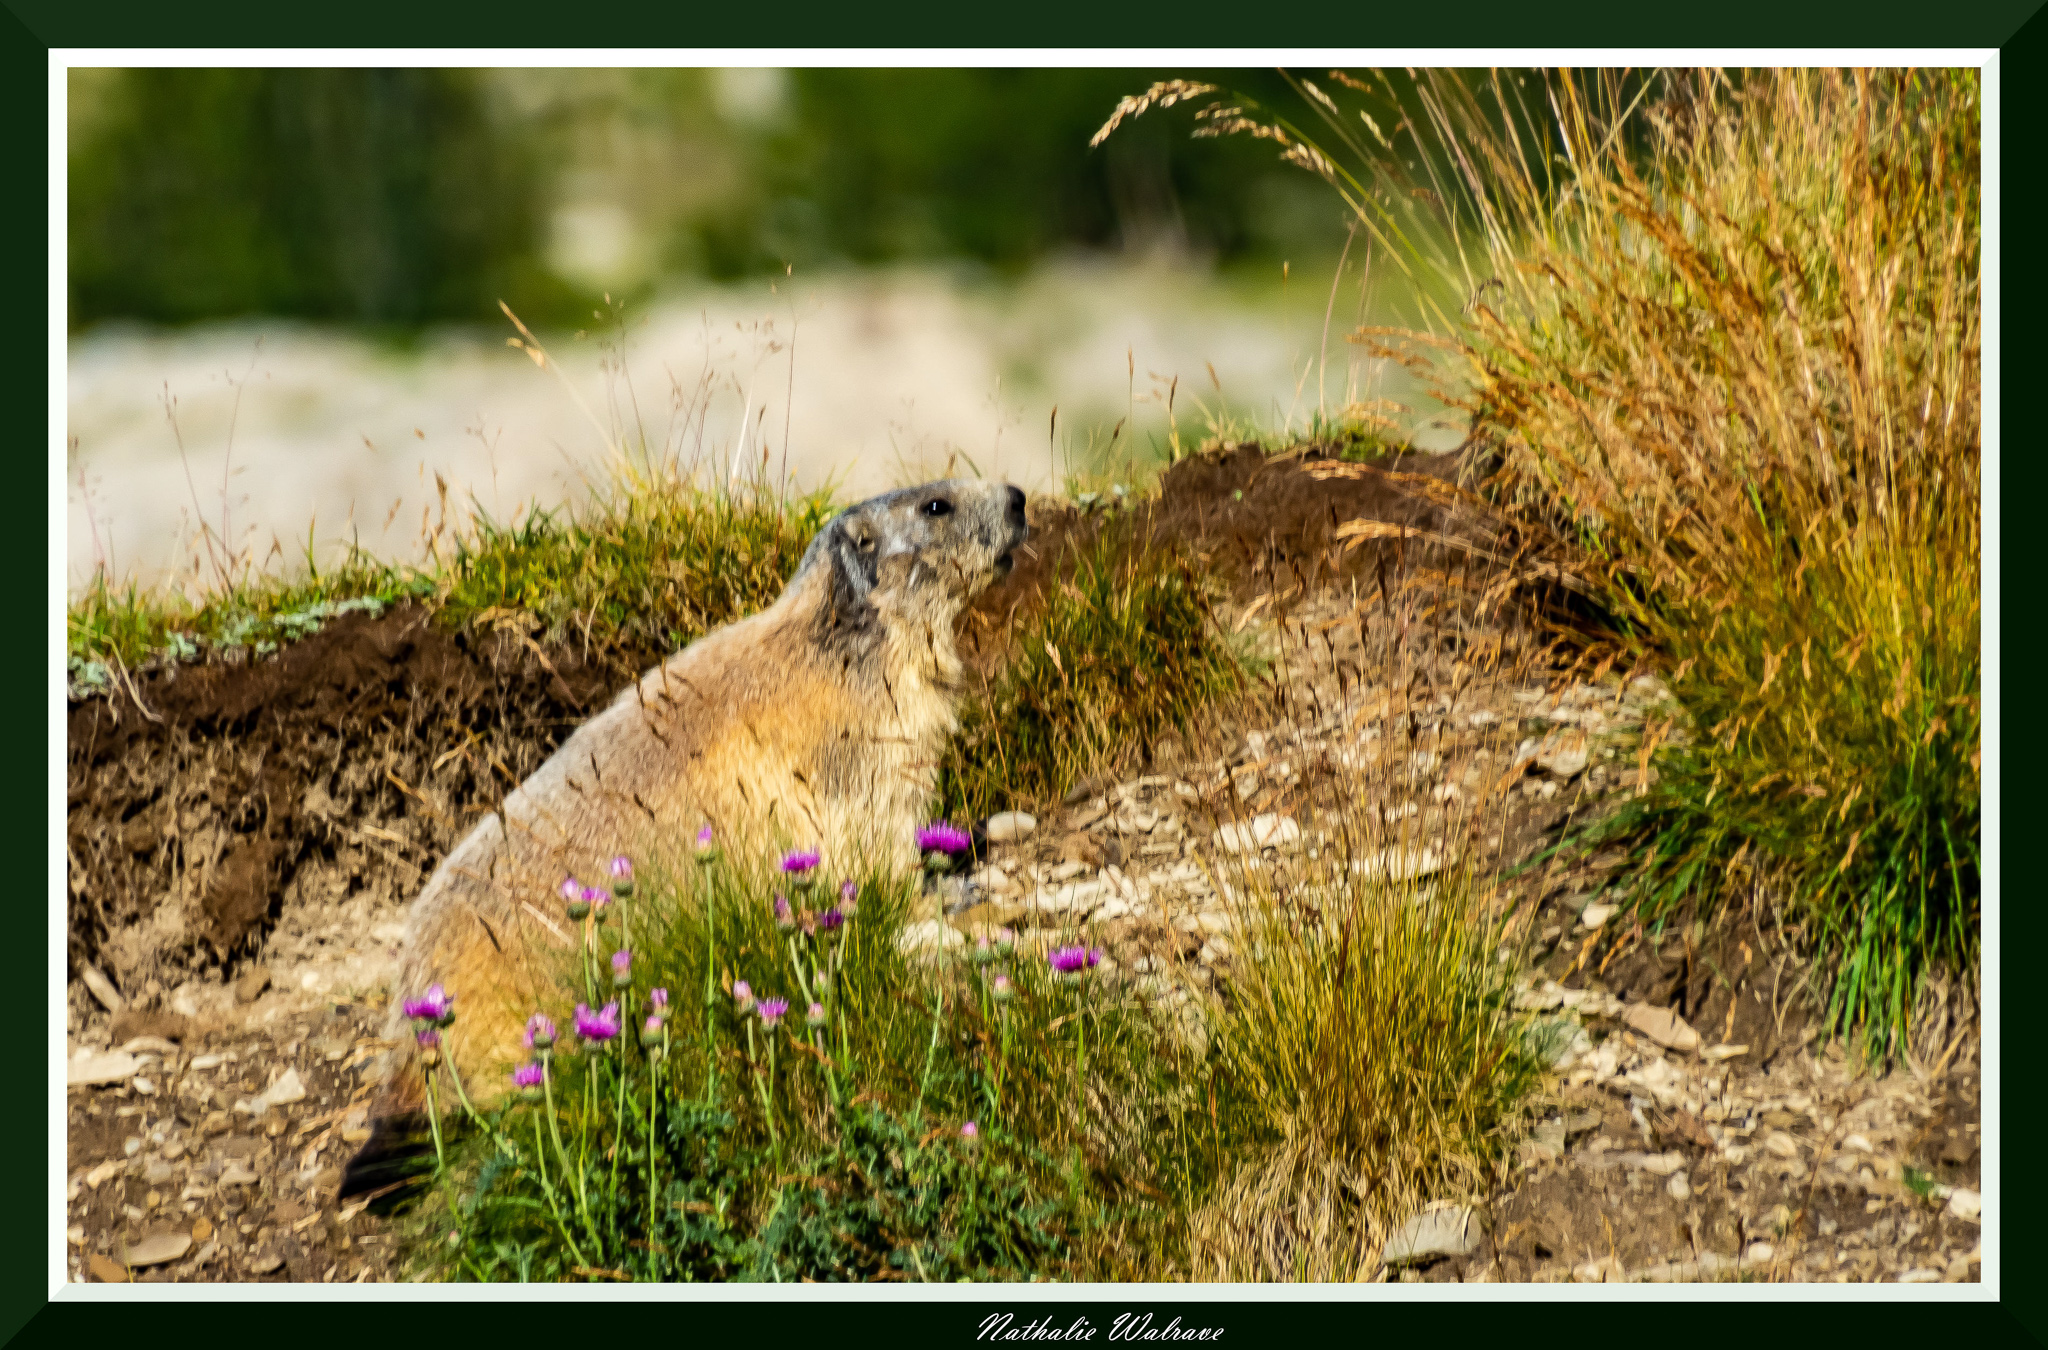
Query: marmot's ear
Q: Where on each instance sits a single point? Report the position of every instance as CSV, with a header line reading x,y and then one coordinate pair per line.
x,y
853,558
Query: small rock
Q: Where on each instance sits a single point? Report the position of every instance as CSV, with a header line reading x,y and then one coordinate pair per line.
x,y
75,1235
158,1248
263,1263
933,937
106,1269
1965,1204
1452,1231
1267,831
102,989
1720,1052
1562,754
1759,1253
94,1070
1782,1144
1400,864
1679,1187
131,1146
110,1167
250,987
1920,1275
235,1174
157,1173
1592,916
202,1229
1663,1026
1010,826
1606,1270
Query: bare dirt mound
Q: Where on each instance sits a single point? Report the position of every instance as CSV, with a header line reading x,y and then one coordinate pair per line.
x,y
338,770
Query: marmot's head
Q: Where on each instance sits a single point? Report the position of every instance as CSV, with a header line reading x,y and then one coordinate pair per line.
x,y
924,551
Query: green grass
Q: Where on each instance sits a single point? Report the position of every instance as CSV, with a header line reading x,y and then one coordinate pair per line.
x,y
734,1150
1125,647
641,568
1377,1041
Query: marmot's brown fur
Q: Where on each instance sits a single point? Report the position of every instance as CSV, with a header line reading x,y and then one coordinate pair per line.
x,y
817,722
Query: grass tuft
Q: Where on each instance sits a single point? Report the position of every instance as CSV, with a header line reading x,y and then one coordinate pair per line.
x,y
1123,648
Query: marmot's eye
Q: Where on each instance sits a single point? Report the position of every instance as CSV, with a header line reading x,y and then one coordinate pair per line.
x,y
938,506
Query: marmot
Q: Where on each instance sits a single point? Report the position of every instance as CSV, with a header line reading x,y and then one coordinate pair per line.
x,y
817,722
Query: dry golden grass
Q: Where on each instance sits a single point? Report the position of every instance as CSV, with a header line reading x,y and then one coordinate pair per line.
x,y
1722,330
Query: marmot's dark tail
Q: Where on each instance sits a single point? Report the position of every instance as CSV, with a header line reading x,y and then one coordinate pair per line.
x,y
392,1165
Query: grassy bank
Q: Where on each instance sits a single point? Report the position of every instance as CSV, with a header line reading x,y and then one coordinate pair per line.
x,y
1726,349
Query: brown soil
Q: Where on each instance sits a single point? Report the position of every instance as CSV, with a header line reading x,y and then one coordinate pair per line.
x,y
1255,524
335,772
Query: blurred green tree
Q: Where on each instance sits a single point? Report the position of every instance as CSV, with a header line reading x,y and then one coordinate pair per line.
x,y
377,196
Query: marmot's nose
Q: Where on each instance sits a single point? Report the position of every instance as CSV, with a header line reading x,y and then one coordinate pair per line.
x,y
1016,506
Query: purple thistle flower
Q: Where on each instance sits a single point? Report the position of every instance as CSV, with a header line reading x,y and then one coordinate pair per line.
x,y
983,953
529,1075
597,1026
572,889
428,1038
849,891
1073,960
970,1132
650,1033
800,863
771,1010
831,919
1002,989
432,1006
540,1032
742,997
622,968
622,868
657,999
1006,942
593,896
940,837
783,918
816,1015
704,838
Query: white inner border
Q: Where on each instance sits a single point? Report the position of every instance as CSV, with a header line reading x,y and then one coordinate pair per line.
x,y
1206,1305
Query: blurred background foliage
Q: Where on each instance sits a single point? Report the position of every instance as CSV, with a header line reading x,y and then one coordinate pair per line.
x,y
396,198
